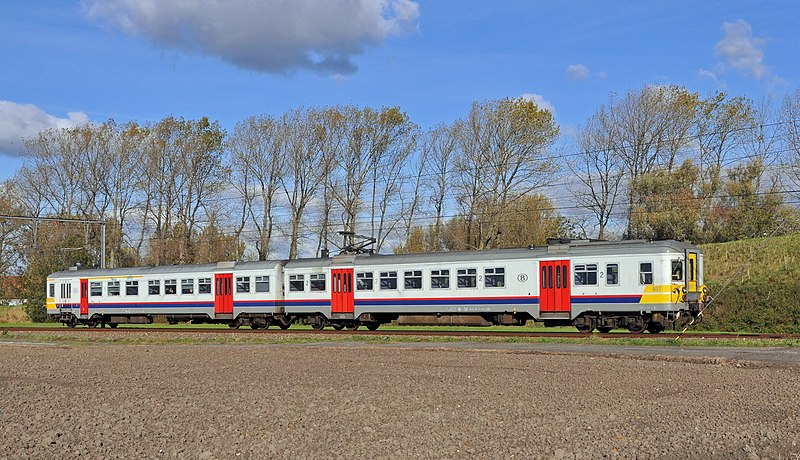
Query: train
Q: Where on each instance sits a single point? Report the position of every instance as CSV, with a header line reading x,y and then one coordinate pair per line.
x,y
591,285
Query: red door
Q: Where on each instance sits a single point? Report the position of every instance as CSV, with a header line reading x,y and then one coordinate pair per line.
x,y
342,290
84,296
223,293
554,287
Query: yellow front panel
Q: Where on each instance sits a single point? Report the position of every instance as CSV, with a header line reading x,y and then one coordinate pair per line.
x,y
663,293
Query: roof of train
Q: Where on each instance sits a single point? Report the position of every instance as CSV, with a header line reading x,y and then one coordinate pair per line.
x,y
573,248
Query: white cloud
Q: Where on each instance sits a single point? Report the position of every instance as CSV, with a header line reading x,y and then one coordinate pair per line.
x,y
540,102
707,74
275,36
24,121
577,72
741,50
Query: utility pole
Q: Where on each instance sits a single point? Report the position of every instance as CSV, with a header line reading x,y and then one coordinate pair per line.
x,y
101,223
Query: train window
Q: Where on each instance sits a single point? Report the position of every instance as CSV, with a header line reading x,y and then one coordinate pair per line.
x,y
612,274
388,280
692,270
113,288
646,273
412,279
586,275
242,284
204,285
677,270
544,277
467,278
317,282
494,277
364,281
131,288
187,286
440,279
95,289
52,289
154,287
297,283
262,283
170,286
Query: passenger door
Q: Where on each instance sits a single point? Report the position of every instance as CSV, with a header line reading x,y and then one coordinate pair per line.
x,y
223,293
84,296
554,286
342,300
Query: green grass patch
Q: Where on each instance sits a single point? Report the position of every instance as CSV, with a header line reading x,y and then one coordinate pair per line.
x,y
763,295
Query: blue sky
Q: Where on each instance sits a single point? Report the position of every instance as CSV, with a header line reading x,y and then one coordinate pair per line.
x,y
68,62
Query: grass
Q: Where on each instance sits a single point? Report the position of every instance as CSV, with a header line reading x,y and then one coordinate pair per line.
x,y
763,285
14,314
53,336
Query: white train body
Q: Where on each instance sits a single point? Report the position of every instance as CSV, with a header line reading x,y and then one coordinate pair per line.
x,y
634,284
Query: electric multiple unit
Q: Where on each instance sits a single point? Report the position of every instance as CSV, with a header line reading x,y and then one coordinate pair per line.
x,y
637,285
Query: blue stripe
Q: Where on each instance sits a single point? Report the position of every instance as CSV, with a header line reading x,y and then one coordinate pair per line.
x,y
470,301
151,305
605,299
281,303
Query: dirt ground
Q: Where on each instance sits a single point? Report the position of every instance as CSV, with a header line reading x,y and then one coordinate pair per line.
x,y
301,401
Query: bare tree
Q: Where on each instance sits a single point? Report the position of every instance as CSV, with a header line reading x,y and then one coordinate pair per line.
x,y
646,129
599,173
304,174
720,129
504,155
329,127
257,145
440,145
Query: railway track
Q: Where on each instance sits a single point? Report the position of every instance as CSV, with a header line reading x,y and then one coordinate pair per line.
x,y
413,333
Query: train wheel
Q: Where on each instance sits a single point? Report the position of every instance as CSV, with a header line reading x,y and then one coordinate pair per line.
x,y
583,329
284,326
604,330
234,325
636,328
373,326
352,327
338,326
73,321
655,328
112,325
317,326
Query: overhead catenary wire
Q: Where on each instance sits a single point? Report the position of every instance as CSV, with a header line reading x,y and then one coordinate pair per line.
x,y
428,217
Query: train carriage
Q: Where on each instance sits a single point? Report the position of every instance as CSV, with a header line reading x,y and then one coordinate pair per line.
x,y
636,285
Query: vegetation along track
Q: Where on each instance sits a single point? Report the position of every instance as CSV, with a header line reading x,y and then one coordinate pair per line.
x,y
488,334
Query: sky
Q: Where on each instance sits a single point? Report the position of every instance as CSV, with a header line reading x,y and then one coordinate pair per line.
x,y
66,63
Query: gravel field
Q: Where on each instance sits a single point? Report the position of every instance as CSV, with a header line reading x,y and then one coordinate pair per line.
x,y
303,401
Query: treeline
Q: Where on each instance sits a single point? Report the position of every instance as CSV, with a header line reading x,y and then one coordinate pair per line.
x,y
657,162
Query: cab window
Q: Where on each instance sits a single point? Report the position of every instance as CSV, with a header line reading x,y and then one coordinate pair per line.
x,y
646,273
677,270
